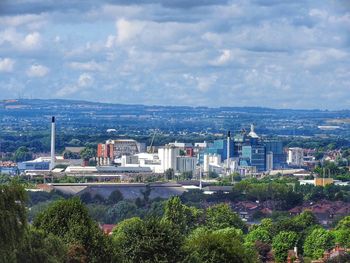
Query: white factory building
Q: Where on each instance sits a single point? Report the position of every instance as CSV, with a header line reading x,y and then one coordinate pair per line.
x,y
212,163
295,156
168,157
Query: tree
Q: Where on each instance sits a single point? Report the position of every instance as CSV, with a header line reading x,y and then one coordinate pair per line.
x,y
151,240
169,174
221,216
342,237
22,154
76,254
264,251
13,220
87,153
281,243
120,212
97,212
146,194
305,219
69,219
210,246
182,216
71,155
115,197
39,247
317,242
86,197
258,234
344,223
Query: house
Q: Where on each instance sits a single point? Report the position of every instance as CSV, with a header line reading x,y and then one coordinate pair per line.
x,y
324,210
334,254
107,228
246,209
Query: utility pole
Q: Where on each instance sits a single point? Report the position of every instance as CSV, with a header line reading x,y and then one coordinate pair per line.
x,y
200,177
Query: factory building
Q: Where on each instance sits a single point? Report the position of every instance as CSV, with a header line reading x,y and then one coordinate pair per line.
x,y
167,156
295,156
113,149
185,164
211,162
220,147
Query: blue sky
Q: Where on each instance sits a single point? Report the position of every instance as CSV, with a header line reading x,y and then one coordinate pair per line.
x,y
271,53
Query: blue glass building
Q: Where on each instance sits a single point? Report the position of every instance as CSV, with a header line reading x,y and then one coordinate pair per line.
x,y
255,155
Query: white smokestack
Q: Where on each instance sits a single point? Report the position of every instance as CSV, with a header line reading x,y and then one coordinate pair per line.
x,y
228,149
52,163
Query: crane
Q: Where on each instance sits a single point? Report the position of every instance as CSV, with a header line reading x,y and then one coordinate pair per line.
x,y
151,150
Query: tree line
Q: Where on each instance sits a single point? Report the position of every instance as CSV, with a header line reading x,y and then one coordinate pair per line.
x,y
65,232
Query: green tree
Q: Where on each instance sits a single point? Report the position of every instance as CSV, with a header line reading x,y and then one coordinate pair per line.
x,y
22,154
342,237
115,197
71,155
211,246
182,216
39,247
77,254
317,242
169,174
221,216
305,219
258,234
152,240
86,197
87,153
69,219
13,220
282,242
120,212
344,223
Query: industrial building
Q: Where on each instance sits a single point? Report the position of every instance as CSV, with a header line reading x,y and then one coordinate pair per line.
x,y
295,156
113,149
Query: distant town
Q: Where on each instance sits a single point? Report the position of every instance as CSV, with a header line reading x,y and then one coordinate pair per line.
x,y
245,174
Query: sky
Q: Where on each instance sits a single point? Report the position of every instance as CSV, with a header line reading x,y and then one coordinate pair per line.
x,y
267,53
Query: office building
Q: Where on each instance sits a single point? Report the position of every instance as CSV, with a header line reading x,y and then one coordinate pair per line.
x,y
255,155
279,156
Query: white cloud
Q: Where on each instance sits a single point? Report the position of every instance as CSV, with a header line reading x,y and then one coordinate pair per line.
x,y
6,64
67,90
241,54
32,41
110,41
127,30
205,83
29,20
37,71
315,57
86,66
224,58
85,80
19,41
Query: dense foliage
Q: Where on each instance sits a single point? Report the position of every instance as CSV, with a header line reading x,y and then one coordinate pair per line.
x,y
167,231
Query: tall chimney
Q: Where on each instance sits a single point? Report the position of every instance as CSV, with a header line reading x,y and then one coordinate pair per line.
x,y
228,149
52,163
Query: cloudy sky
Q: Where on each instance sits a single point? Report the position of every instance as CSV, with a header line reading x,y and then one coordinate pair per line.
x,y
273,53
